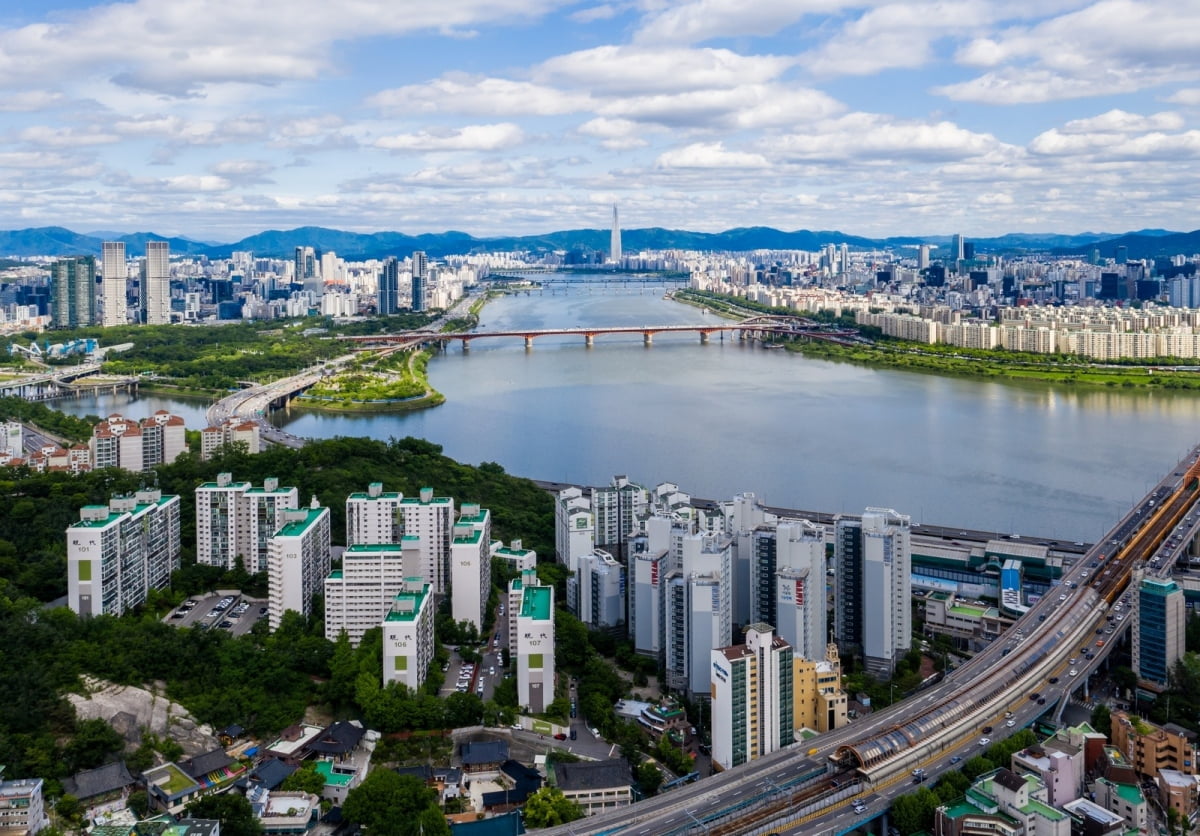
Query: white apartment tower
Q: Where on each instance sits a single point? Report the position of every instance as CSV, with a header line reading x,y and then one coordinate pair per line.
x,y
744,516
698,610
298,562
614,250
156,284
235,521
373,516
600,591
358,595
431,519
796,589
873,590
618,508
408,635
234,431
574,528
752,692
118,552
535,647
114,272
12,438
471,565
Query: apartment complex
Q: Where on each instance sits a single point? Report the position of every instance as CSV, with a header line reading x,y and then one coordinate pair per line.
x,y
790,579
236,520
752,692
1151,749
234,432
431,519
359,594
373,516
408,635
118,552
873,590
471,565
298,561
136,445
598,590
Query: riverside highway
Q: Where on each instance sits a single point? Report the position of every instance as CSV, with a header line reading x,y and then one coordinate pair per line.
x,y
812,787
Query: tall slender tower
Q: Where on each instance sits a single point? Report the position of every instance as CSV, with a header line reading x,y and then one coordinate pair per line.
x,y
156,284
420,269
114,283
615,247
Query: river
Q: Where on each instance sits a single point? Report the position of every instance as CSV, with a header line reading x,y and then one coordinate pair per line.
x,y
729,417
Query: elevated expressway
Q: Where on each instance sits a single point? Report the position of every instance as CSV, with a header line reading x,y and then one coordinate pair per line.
x,y
809,788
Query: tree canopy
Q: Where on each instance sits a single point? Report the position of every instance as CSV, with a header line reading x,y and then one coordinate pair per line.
x,y
389,804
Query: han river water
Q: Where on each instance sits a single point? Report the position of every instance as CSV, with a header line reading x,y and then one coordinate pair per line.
x,y
729,417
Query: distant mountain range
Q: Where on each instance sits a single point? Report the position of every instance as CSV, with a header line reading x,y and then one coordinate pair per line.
x,y
58,241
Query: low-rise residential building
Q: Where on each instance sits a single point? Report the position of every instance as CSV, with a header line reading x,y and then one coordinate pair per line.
x,y
820,702
408,635
1092,819
299,562
596,786
1003,803
1151,748
1126,800
118,552
752,698
284,813
22,808
1058,764
1178,791
96,788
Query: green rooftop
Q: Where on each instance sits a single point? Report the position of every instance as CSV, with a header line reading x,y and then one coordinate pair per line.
x,y
537,602
109,517
403,610
332,778
505,550
231,485
962,808
1130,794
967,610
1044,810
391,495
475,519
373,548
295,529
335,575
475,536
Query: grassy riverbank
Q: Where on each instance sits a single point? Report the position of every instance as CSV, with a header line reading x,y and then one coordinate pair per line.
x,y
394,382
882,352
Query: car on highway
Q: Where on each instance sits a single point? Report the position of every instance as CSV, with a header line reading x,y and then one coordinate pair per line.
x,y
859,807
1073,672
986,730
1053,680
1062,597
1034,695
955,759
1010,723
560,736
984,741
1041,701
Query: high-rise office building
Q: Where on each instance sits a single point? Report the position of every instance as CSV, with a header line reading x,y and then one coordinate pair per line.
x,y
156,284
873,592
752,692
420,268
307,270
73,292
957,248
614,250
1159,616
118,552
299,562
408,635
923,257
387,299
115,273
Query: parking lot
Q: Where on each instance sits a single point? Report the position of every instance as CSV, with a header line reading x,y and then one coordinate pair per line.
x,y
224,610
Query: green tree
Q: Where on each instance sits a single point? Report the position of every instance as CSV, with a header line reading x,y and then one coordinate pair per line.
x,y
93,742
69,807
305,779
388,804
233,810
1102,719
139,803
976,766
908,814
549,807
649,778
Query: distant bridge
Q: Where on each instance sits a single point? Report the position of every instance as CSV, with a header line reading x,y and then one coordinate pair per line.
x,y
754,327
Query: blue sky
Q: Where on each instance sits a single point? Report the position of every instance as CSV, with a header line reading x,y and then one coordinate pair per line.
x,y
215,119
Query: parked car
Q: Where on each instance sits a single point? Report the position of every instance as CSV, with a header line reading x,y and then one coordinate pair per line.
x,y
560,736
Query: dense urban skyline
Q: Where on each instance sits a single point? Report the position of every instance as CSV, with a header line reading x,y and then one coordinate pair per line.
x,y
214,119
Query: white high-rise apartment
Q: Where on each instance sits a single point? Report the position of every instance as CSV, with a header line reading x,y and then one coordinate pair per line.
x,y
797,589
299,562
11,438
600,589
115,273
373,516
614,250
235,521
535,646
574,528
471,565
752,691
873,593
132,445
358,595
156,284
408,635
699,610
233,431
431,519
118,552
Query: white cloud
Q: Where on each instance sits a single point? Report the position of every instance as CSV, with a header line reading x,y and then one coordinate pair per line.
x,y
701,20
469,138
749,107
195,183
479,96
875,138
604,11
630,70
44,135
615,134
1120,121
708,155
30,100
1189,97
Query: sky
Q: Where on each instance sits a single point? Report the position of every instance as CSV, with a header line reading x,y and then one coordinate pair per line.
x,y
216,119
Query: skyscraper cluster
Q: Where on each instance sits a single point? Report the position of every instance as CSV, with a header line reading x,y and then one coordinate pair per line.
x,y
77,300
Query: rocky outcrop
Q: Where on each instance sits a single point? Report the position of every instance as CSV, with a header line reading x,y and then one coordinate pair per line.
x,y
133,711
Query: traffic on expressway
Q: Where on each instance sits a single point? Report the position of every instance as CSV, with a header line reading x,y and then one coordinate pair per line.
x,y
852,774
